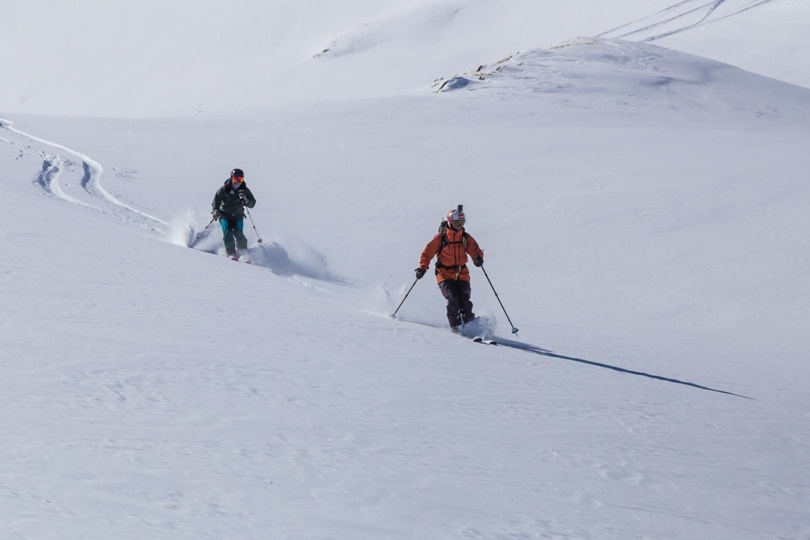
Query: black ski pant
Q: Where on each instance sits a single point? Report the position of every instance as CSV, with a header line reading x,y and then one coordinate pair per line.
x,y
459,306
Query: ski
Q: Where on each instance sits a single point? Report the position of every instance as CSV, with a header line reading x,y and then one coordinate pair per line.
x,y
484,341
241,258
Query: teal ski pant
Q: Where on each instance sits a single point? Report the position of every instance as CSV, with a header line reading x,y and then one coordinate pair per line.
x,y
232,235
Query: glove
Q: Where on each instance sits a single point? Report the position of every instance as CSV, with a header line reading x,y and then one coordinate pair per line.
x,y
420,273
215,213
243,197
478,260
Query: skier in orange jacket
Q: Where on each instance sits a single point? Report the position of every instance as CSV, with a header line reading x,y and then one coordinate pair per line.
x,y
450,246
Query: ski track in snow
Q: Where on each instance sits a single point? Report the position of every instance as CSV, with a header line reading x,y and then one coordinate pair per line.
x,y
48,179
670,21
54,164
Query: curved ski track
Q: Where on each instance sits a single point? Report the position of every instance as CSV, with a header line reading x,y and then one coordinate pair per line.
x,y
680,17
83,185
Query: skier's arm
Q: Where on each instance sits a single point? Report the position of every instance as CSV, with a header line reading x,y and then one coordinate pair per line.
x,y
217,200
473,249
251,200
430,251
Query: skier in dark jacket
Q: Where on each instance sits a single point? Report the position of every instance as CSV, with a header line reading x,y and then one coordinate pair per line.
x,y
229,207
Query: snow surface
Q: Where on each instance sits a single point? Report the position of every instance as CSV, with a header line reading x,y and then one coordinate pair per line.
x,y
643,214
154,58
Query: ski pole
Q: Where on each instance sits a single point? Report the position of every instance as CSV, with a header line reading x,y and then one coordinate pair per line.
x,y
254,225
394,314
202,232
514,330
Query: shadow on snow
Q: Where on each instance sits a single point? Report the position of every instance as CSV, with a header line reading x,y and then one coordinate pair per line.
x,y
310,263
296,260
550,354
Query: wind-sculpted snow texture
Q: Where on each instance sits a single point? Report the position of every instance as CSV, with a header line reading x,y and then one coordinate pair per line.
x,y
361,48
598,71
643,215
428,20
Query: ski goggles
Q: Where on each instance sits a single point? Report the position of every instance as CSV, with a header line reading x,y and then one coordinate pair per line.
x,y
237,179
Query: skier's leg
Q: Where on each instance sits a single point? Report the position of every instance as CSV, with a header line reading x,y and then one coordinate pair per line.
x,y
465,304
227,236
450,293
241,239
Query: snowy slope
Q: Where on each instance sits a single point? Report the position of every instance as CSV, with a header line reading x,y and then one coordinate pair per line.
x,y
768,37
196,57
643,216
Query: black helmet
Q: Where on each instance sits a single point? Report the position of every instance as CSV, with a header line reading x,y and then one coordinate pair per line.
x,y
238,172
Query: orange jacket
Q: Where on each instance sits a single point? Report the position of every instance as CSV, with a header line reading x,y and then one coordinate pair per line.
x,y
452,260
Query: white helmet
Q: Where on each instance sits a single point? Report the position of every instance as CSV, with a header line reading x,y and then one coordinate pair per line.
x,y
456,218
